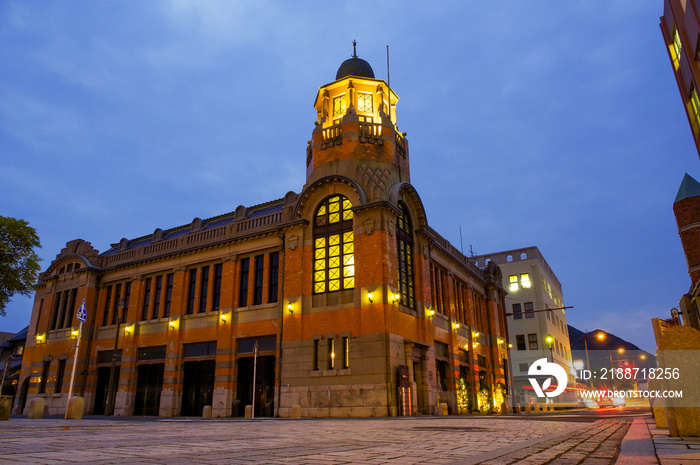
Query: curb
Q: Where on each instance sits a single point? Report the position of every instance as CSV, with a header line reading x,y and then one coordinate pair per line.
x,y
637,447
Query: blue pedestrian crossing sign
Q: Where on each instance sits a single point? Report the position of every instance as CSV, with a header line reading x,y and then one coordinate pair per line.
x,y
82,313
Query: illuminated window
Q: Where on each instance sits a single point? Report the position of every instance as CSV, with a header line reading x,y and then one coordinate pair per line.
x,y
334,257
339,106
525,281
695,106
404,242
513,282
331,353
676,48
364,102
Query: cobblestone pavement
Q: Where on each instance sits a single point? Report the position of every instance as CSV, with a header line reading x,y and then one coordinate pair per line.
x,y
429,440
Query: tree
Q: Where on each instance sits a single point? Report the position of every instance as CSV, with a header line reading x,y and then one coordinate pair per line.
x,y
19,264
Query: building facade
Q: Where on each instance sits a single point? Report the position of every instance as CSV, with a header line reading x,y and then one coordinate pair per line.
x,y
686,209
536,317
341,298
680,26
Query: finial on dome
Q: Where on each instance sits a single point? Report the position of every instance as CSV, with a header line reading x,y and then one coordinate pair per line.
x,y
354,50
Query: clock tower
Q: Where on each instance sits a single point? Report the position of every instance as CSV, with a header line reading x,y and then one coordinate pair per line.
x,y
356,135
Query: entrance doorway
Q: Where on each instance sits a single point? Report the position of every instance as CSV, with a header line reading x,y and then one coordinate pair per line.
x,y
264,386
197,387
101,389
149,385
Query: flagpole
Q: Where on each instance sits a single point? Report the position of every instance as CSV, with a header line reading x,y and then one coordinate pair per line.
x,y
255,368
75,361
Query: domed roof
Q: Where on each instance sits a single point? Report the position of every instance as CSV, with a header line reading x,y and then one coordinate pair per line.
x,y
354,67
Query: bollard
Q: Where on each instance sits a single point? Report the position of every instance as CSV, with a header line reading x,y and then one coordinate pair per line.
x,y
249,411
206,411
443,409
5,407
75,408
36,408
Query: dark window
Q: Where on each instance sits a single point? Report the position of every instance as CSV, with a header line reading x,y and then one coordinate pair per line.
x,y
528,310
204,289
44,375
532,341
151,353
71,307
156,298
517,312
265,344
243,291
54,313
274,276
108,299
404,243
117,302
59,375
346,352
199,349
316,347
258,281
331,353
334,254
217,286
127,296
520,342
523,367
168,294
190,292
146,299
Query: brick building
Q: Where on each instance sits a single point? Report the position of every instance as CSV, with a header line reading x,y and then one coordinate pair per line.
x,y
342,294
680,26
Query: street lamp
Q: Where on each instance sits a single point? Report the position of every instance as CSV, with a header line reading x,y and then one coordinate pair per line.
x,y
550,342
599,336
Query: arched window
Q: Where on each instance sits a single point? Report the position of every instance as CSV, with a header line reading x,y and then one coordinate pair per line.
x,y
334,257
404,244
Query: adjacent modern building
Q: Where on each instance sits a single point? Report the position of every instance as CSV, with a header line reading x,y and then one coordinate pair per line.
x,y
340,298
537,325
680,26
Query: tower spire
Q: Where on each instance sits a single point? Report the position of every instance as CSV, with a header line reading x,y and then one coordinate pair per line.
x,y
354,50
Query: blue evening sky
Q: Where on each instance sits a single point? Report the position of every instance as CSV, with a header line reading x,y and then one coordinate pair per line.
x,y
555,124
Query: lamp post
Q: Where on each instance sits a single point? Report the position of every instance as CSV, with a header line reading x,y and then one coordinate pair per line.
x,y
599,336
111,391
550,341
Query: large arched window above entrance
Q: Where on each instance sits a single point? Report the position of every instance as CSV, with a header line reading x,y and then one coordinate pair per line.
x,y
404,244
334,254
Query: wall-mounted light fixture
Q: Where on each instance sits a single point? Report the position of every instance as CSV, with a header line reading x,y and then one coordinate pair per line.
x,y
172,324
128,330
369,296
40,338
223,318
74,333
510,346
456,325
290,308
397,298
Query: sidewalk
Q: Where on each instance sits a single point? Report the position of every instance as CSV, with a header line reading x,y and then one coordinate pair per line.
x,y
646,444
446,440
